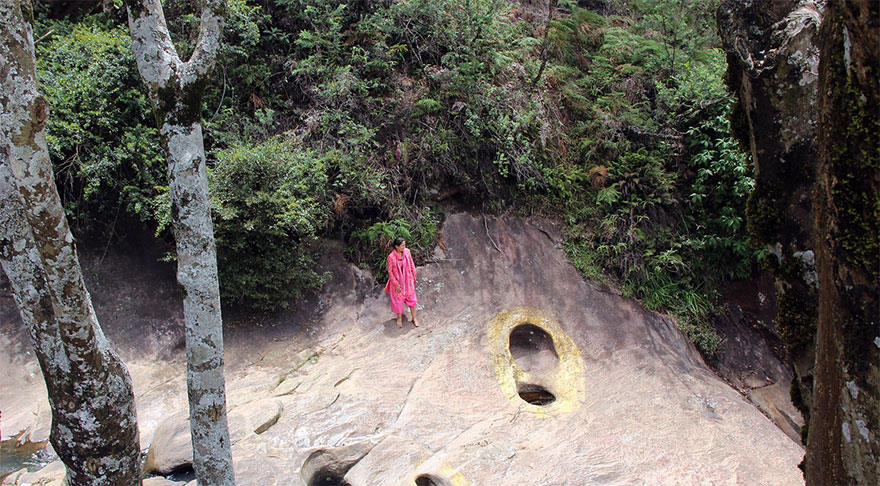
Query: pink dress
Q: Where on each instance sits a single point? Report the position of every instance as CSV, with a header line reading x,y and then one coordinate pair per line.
x,y
401,271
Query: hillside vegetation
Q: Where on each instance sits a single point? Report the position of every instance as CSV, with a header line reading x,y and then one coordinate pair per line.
x,y
353,119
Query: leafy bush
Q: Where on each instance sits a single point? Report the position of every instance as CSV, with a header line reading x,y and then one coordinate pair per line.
x,y
720,183
269,204
412,86
663,186
101,132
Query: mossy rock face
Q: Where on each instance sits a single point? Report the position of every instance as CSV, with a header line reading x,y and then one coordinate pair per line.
x,y
818,179
854,157
772,51
846,415
796,321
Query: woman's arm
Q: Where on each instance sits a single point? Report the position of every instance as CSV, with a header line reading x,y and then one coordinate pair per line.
x,y
393,278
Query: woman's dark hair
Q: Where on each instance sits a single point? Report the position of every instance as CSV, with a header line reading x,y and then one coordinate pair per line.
x,y
398,241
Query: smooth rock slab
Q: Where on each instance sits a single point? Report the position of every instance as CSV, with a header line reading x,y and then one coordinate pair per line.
x,y
51,475
160,481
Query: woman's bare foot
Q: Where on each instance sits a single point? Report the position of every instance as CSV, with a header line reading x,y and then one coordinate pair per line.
x,y
399,323
415,322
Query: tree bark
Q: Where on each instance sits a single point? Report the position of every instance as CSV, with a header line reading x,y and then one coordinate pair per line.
x,y
94,426
175,90
845,448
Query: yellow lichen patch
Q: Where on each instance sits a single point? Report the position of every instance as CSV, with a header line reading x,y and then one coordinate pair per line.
x,y
565,381
455,476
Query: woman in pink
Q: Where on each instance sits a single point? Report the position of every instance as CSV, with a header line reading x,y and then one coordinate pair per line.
x,y
401,286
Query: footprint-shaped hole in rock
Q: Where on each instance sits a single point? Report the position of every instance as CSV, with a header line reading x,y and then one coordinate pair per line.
x,y
431,480
532,348
535,394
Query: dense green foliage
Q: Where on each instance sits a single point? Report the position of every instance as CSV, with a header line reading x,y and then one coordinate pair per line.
x,y
350,118
371,244
662,215
101,133
269,204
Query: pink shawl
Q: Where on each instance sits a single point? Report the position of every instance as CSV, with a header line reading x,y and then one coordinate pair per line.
x,y
401,271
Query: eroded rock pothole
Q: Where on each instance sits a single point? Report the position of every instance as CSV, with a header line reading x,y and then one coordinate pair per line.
x,y
328,478
532,348
328,466
535,394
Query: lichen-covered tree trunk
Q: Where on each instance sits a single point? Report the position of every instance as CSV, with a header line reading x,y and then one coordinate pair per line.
x,y
22,264
845,448
773,57
94,427
175,89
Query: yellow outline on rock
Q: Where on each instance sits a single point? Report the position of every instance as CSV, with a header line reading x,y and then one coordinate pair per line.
x,y
455,476
566,381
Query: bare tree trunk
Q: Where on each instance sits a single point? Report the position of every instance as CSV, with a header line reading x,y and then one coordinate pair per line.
x,y
94,427
175,90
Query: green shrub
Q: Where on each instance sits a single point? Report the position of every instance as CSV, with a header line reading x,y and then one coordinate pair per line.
x,y
101,132
663,188
269,204
719,186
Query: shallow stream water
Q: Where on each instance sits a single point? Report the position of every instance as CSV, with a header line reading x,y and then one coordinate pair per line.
x,y
15,455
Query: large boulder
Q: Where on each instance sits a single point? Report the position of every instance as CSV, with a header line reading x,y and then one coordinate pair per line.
x,y
812,123
845,448
171,446
752,360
